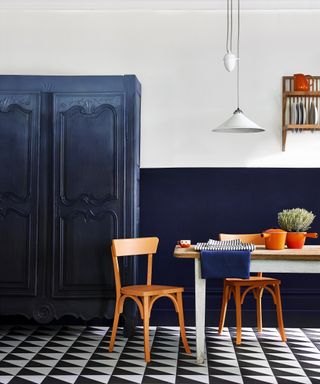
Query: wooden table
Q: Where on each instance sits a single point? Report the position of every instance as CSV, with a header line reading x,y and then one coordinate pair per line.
x,y
305,260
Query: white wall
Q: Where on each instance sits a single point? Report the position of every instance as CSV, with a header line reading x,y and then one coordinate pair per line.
x,y
177,55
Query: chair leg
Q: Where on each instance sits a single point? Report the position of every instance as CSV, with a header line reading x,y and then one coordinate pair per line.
x,y
279,313
146,317
238,313
114,326
181,323
225,299
259,308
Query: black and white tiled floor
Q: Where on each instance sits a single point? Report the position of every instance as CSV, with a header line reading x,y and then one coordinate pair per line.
x,y
79,355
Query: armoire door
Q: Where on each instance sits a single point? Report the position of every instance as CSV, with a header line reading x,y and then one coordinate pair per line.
x,y
19,178
88,189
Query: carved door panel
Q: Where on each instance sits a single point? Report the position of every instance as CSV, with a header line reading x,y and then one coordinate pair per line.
x,y
88,191
19,176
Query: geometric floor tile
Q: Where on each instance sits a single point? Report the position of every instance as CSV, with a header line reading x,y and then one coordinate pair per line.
x,y
79,355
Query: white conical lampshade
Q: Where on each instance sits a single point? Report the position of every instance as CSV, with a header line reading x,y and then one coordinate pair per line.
x,y
238,123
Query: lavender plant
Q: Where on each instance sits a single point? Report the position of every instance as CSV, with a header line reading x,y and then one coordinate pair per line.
x,y
295,220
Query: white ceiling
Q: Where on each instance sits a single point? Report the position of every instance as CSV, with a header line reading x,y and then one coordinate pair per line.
x,y
156,4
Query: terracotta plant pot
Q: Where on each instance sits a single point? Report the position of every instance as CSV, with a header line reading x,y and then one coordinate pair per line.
x,y
297,239
275,238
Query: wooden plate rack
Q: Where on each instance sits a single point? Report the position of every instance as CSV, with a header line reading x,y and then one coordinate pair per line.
x,y
289,96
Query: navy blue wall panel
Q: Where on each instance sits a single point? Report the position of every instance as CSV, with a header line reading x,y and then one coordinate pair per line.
x,y
198,203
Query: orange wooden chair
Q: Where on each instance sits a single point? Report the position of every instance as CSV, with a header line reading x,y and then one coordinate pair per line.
x,y
257,284
144,295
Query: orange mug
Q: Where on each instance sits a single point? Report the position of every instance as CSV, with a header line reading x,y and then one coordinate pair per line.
x,y
302,82
184,243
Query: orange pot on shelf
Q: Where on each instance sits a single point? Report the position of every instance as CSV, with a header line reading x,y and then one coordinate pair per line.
x,y
297,239
275,238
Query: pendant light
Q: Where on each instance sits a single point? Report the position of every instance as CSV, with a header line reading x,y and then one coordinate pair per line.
x,y
238,122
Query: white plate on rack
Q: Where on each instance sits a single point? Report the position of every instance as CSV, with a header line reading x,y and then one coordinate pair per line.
x,y
293,119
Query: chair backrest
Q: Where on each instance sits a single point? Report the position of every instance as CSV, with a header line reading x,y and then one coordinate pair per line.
x,y
133,247
136,246
254,238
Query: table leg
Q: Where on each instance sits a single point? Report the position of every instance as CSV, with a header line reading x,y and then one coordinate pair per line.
x,y
200,291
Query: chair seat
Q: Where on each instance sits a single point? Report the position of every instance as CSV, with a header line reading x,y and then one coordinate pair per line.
x,y
253,280
149,290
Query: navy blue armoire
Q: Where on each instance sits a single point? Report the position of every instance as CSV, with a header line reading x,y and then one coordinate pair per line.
x,y
69,183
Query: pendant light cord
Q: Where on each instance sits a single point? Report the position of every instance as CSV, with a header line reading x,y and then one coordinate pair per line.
x,y
238,61
227,42
229,25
